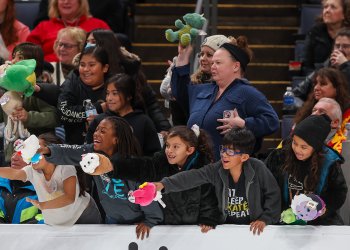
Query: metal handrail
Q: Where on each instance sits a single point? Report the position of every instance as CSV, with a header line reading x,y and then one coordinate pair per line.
x,y
210,10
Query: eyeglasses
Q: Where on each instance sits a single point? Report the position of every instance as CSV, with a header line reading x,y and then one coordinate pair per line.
x,y
341,46
229,152
67,45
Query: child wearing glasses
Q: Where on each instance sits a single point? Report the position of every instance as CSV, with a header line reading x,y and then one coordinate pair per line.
x,y
246,190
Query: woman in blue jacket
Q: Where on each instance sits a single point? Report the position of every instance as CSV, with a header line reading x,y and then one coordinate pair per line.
x,y
228,91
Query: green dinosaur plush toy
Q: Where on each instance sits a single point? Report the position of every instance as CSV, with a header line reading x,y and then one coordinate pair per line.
x,y
15,78
288,217
19,77
187,32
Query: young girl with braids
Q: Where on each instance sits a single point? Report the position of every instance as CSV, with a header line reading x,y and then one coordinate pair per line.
x,y
307,165
113,137
185,149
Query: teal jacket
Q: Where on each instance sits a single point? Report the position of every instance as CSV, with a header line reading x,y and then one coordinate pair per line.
x,y
13,205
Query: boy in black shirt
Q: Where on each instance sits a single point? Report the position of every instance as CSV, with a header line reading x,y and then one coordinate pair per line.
x,y
246,190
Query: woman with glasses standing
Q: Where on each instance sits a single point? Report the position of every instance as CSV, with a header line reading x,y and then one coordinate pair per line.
x,y
63,13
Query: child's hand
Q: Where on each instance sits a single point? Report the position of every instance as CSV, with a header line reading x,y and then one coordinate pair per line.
x,y
159,186
142,230
35,203
257,226
20,114
205,228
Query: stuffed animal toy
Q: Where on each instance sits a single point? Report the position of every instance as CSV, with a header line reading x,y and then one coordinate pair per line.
x,y
95,164
14,129
19,77
304,208
146,193
16,78
28,149
188,31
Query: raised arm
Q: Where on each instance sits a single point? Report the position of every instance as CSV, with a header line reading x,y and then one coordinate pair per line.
x,y
13,174
181,76
188,179
62,154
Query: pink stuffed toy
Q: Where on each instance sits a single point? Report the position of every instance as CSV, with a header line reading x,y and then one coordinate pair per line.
x,y
146,193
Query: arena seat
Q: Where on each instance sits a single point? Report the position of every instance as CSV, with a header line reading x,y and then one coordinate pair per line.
x,y
27,11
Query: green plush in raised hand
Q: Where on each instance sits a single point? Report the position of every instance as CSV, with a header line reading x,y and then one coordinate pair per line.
x,y
19,77
188,31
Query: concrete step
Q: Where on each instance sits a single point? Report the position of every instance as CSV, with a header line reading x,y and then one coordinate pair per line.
x,y
271,89
256,34
255,71
224,9
231,20
166,51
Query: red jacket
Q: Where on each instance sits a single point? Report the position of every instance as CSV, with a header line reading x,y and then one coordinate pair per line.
x,y
46,32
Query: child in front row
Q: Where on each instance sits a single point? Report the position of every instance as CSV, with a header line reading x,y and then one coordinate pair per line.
x,y
246,190
185,149
113,137
61,200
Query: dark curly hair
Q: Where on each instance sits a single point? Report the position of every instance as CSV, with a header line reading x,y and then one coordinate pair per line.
x,y
202,143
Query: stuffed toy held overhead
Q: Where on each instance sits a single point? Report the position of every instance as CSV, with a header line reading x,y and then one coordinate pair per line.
x,y
146,193
188,31
28,149
19,77
304,208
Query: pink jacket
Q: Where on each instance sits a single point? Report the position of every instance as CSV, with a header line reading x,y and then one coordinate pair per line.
x,y
22,33
46,32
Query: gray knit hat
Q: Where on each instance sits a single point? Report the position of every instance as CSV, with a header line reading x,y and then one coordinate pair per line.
x,y
214,42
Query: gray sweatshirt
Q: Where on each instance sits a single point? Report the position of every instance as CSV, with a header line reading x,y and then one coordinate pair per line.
x,y
262,191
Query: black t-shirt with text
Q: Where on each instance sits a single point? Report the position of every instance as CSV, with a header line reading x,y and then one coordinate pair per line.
x,y
237,208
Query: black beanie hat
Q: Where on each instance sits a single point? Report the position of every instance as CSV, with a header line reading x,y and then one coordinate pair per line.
x,y
314,130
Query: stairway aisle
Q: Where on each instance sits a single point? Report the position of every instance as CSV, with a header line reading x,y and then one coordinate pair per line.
x,y
268,24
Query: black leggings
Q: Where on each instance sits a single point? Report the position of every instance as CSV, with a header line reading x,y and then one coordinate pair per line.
x,y
91,214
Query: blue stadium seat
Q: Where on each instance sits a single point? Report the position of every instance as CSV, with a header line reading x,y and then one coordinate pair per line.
x,y
299,50
296,80
286,126
27,12
309,13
